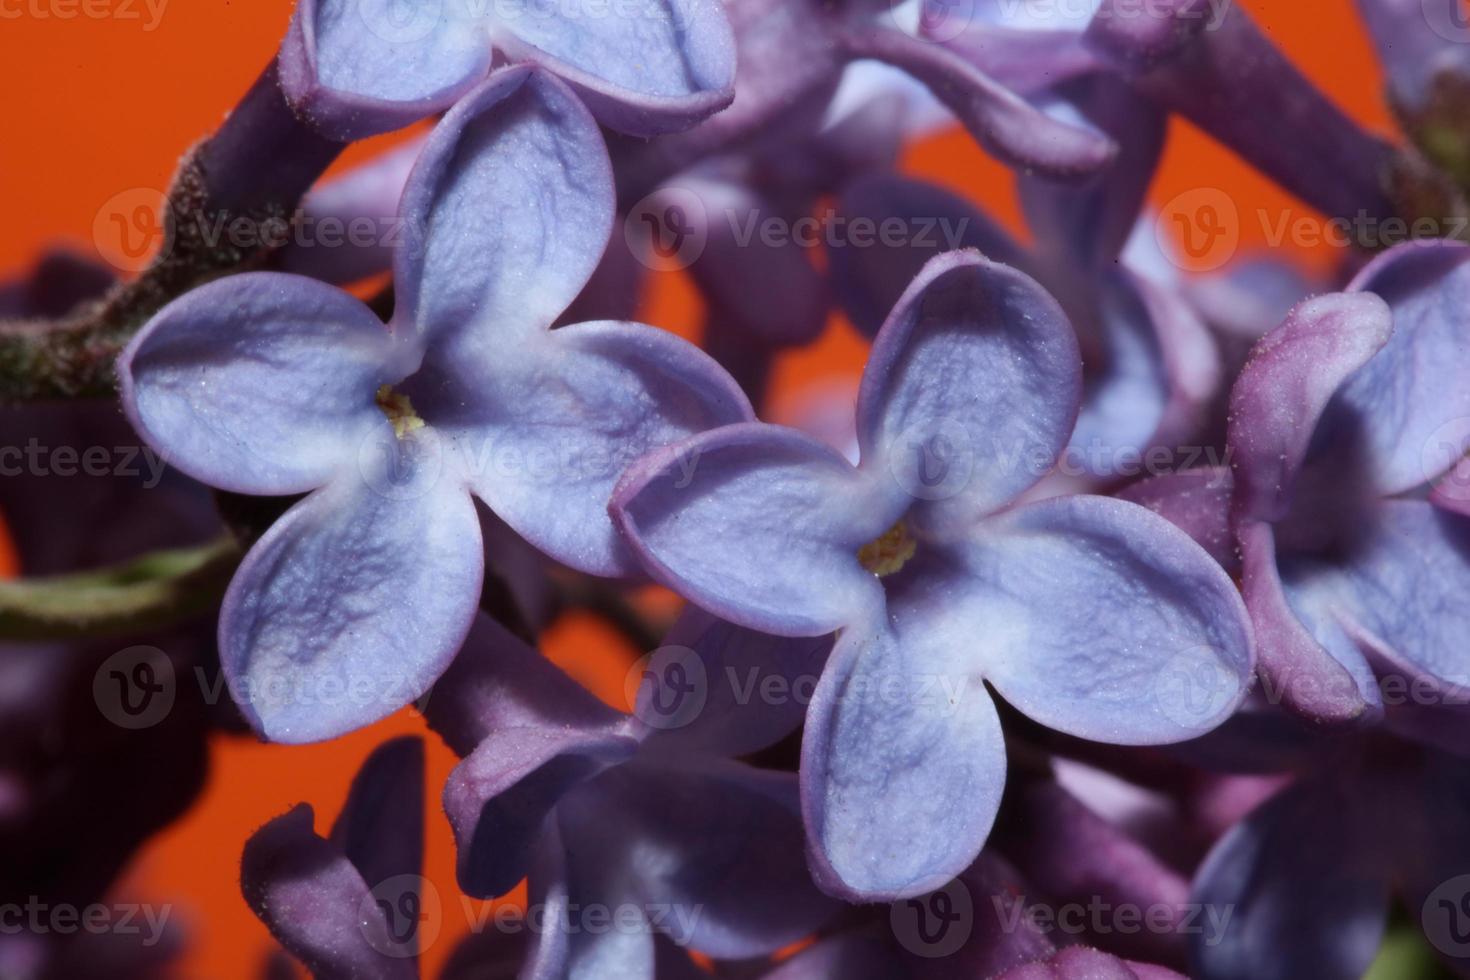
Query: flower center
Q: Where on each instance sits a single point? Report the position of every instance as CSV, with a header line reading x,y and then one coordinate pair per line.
x,y
889,552
399,411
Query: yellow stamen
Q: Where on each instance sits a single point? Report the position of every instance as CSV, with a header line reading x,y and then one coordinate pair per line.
x,y
889,552
399,411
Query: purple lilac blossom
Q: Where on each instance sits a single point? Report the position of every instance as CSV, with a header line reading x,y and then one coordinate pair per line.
x,y
271,384
913,554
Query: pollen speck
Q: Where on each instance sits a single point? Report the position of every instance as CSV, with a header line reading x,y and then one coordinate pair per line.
x,y
889,552
399,411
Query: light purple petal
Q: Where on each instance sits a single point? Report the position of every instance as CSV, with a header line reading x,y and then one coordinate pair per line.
x,y
505,216
869,277
1082,963
1416,40
1403,588
1286,386
529,734
719,846
1197,502
970,392
355,601
1410,403
356,68
1025,61
760,525
903,763
1100,619
260,383
657,67
544,430
1308,895
317,904
1249,297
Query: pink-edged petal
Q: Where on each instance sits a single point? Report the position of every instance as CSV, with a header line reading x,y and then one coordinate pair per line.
x,y
711,850
1286,386
545,430
1306,662
1307,891
658,68
1197,502
1099,619
355,601
724,690
260,383
1409,404
505,216
760,525
356,68
529,734
970,391
903,763
317,904
869,277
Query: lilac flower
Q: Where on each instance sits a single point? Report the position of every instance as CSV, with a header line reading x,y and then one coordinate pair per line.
x,y
603,809
1346,414
1070,608
360,67
1150,365
353,603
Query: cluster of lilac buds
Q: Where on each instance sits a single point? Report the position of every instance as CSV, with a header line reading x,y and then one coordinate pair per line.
x,y
1113,626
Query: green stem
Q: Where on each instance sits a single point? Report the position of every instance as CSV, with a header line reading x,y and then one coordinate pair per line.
x,y
161,590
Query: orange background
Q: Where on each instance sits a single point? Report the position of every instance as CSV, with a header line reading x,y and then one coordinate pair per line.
x,y
96,107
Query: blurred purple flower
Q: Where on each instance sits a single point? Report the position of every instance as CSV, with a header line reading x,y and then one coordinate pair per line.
x,y
1086,602
271,384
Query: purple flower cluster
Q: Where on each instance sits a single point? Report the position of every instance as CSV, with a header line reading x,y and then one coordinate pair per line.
x,y
1114,627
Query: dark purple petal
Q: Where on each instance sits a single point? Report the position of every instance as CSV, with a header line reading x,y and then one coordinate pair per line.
x,y
1081,963
317,904
1307,887
760,525
902,767
260,383
850,957
355,601
529,735
869,280
717,845
1001,121
1286,386
1210,63
723,690
1306,662
959,448
381,826
1197,502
